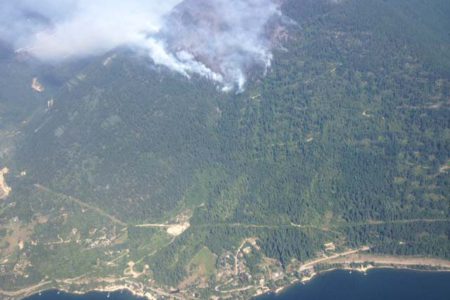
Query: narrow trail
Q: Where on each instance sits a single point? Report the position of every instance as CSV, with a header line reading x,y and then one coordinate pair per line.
x,y
326,229
25,291
82,204
404,221
154,225
242,289
268,226
332,228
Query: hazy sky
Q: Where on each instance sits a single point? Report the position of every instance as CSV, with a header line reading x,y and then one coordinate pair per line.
x,y
219,39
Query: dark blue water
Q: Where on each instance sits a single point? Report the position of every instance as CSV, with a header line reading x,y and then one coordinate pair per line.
x,y
337,285
56,295
376,285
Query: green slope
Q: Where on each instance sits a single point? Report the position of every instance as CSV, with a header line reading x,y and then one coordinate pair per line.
x,y
346,140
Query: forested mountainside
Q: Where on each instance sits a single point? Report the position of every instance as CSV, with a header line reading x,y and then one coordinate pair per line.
x,y
122,169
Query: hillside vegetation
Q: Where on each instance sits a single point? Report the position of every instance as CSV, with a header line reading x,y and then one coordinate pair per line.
x,y
345,140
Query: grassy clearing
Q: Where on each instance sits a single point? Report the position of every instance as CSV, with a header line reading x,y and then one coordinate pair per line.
x,y
204,263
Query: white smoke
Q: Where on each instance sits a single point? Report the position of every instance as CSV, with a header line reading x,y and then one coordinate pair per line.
x,y
219,39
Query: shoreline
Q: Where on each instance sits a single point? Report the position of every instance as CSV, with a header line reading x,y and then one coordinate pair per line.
x,y
363,270
151,293
305,281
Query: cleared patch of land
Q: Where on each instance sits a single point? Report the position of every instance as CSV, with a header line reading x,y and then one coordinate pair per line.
x,y
201,267
177,229
18,234
5,190
172,229
108,60
37,86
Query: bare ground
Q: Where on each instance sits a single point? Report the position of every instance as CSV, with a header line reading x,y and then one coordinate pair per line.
x,y
5,190
37,86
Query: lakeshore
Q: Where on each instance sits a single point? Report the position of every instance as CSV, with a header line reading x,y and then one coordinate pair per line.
x,y
349,261
377,284
358,261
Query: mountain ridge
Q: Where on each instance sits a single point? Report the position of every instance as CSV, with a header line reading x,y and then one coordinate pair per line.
x,y
343,145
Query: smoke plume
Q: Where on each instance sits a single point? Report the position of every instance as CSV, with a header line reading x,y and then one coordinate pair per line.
x,y
218,39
